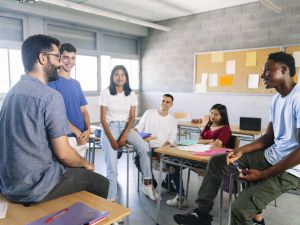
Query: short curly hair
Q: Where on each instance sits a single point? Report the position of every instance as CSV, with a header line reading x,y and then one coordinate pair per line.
x,y
286,59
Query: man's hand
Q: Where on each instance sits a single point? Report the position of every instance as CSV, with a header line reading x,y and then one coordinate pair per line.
x,y
84,137
233,156
89,166
252,175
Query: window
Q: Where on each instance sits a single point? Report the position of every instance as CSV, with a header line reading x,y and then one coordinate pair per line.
x,y
11,68
85,72
132,66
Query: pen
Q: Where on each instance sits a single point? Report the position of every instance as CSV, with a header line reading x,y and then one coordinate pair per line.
x,y
236,165
56,215
97,220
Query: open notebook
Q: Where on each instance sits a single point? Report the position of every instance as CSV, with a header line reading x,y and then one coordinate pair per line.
x,y
77,214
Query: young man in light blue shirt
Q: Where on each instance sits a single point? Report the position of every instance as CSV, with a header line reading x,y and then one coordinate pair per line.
x,y
270,165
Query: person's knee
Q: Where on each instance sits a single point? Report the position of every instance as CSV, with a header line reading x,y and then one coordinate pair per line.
x,y
217,162
239,212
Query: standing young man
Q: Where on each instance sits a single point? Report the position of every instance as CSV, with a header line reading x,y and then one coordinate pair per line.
x,y
37,162
75,102
270,164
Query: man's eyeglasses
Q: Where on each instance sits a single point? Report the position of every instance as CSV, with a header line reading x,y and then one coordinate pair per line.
x,y
56,55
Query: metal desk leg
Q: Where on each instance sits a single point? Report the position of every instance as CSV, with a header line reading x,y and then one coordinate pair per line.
x,y
221,203
230,199
159,190
188,184
180,186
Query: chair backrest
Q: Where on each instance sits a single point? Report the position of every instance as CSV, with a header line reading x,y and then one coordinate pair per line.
x,y
234,142
181,115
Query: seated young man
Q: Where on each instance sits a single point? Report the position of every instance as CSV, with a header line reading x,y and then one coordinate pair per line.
x,y
37,162
161,125
270,164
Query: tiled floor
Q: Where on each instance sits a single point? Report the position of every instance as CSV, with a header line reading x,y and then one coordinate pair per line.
x,y
143,209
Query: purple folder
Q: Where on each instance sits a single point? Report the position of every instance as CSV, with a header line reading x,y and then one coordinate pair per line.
x,y
77,214
144,135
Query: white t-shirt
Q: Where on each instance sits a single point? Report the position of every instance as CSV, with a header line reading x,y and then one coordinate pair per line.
x,y
164,128
118,106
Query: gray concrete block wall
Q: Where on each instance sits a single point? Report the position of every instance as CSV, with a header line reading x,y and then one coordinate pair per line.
x,y
167,57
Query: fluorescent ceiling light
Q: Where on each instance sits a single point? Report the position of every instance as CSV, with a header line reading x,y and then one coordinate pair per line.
x,y
271,5
105,13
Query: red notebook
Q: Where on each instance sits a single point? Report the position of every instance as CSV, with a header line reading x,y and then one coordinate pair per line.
x,y
211,152
77,214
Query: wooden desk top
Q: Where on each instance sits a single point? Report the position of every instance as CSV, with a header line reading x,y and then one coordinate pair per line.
x,y
18,214
173,151
234,128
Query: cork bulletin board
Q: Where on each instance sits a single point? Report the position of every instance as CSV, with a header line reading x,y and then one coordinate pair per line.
x,y
235,71
295,51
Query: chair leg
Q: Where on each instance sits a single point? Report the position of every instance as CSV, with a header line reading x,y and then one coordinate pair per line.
x,y
127,185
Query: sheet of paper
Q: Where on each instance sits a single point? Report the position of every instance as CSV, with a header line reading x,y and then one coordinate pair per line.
x,y
217,57
297,58
253,80
200,88
195,148
251,59
213,80
204,79
226,80
3,207
230,66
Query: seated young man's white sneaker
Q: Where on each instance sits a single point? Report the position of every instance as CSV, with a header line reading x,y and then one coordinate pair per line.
x,y
175,201
149,191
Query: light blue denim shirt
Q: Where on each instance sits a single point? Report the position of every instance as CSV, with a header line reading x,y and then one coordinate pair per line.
x,y
31,114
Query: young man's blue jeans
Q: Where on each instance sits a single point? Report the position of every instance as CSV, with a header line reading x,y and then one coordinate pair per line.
x,y
139,145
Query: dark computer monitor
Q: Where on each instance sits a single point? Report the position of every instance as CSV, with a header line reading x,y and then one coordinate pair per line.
x,y
250,123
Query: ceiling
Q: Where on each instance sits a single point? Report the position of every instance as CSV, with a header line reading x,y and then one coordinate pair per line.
x,y
158,10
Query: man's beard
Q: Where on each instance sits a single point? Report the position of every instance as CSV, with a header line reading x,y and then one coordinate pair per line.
x,y
51,72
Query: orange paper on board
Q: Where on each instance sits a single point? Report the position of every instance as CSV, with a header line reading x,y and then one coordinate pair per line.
x,y
226,81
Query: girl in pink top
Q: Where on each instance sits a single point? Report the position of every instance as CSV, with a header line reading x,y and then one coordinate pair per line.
x,y
217,131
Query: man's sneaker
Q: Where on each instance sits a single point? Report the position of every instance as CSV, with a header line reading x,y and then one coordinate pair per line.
x,y
193,217
262,222
164,184
149,191
175,201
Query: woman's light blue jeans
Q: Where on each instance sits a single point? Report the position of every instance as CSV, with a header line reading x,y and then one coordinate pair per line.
x,y
139,145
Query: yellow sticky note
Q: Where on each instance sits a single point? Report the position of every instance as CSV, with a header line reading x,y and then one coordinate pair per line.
x,y
251,59
217,57
226,80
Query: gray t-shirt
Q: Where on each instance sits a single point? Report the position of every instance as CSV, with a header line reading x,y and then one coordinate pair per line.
x,y
31,114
